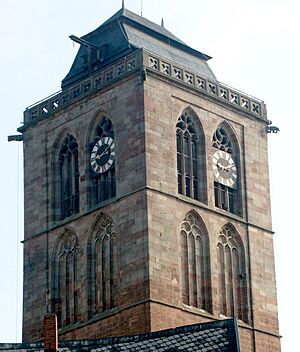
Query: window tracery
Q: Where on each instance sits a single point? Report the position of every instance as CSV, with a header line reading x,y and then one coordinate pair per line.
x,y
190,158
65,279
222,141
103,184
232,278
102,249
195,264
69,177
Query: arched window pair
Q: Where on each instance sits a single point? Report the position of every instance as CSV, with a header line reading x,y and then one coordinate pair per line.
x,y
65,282
196,274
191,163
101,170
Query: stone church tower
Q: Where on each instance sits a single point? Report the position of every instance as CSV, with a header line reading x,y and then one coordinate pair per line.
x,y
147,201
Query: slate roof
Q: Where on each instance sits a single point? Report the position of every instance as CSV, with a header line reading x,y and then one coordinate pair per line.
x,y
126,32
221,336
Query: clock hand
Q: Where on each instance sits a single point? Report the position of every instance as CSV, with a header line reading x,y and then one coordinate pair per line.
x,y
105,151
230,166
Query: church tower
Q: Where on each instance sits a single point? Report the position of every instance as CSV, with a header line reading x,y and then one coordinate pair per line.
x,y
147,200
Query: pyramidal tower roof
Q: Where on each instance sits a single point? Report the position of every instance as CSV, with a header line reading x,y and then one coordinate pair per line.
x,y
125,32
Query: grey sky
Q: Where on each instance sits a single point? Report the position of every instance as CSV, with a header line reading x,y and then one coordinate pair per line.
x,y
255,48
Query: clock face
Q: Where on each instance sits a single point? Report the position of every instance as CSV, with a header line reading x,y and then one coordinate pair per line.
x,y
224,169
103,155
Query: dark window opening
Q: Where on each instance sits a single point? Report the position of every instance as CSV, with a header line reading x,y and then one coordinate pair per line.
x,y
103,184
69,177
187,157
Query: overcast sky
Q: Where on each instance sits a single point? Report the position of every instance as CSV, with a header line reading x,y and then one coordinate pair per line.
x,y
255,48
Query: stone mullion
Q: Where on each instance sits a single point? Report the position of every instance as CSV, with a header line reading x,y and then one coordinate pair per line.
x,y
75,278
228,279
69,186
61,290
182,164
191,190
109,273
227,198
112,269
236,286
199,273
184,268
222,282
104,273
192,273
100,278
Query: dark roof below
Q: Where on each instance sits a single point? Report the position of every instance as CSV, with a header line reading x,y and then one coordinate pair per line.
x,y
219,336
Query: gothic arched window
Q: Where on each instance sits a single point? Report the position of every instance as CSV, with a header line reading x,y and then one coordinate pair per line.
x,y
232,277
191,171
64,279
101,266
226,172
69,177
195,263
102,162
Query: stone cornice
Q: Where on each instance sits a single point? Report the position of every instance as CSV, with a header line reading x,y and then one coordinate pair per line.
x,y
149,63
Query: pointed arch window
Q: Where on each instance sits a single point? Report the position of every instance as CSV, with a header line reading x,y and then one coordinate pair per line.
x,y
195,264
102,162
102,250
232,278
191,172
65,279
69,177
226,172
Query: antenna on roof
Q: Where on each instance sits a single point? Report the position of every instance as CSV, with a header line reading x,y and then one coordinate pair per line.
x,y
142,8
162,23
123,4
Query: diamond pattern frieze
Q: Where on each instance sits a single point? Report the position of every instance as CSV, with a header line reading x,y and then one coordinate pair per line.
x,y
98,82
65,98
153,63
131,65
188,78
76,92
223,93
120,70
201,83
255,108
86,86
234,98
54,104
45,109
109,75
212,88
165,68
245,103
177,73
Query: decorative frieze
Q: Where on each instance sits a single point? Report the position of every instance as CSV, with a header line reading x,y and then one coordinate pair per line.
x,y
134,62
213,88
95,82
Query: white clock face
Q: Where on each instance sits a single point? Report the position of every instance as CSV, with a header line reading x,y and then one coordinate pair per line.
x,y
103,155
224,169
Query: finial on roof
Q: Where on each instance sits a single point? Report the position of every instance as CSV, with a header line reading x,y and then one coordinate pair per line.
x,y
123,4
162,22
